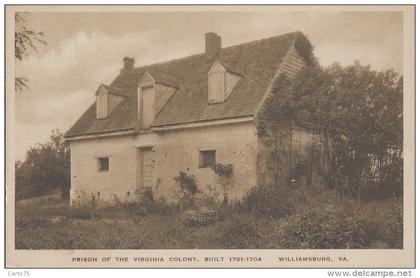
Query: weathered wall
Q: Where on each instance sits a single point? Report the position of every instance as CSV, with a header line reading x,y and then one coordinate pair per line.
x,y
176,151
87,181
173,151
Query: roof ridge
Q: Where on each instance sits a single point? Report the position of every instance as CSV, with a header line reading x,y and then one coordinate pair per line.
x,y
168,61
264,39
223,48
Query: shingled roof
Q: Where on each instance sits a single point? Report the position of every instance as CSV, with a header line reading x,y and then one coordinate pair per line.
x,y
257,62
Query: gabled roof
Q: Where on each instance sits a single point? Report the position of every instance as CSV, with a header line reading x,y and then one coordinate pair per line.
x,y
230,69
111,90
257,62
163,79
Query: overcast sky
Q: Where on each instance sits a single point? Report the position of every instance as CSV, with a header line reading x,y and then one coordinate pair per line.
x,y
86,49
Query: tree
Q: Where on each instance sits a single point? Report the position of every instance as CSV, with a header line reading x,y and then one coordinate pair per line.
x,y
46,167
25,40
356,113
275,126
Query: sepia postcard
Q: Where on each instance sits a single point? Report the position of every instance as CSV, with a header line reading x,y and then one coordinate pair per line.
x,y
210,136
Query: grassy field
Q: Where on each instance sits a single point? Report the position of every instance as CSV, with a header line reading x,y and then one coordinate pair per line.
x,y
48,223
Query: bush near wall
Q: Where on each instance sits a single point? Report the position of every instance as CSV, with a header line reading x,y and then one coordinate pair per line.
x,y
268,202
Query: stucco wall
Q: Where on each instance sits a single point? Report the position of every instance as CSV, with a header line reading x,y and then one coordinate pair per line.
x,y
87,181
173,151
180,151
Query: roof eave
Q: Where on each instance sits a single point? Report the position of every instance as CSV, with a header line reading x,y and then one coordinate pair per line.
x,y
202,123
93,135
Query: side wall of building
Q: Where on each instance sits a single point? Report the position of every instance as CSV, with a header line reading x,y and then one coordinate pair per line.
x,y
172,151
90,184
177,151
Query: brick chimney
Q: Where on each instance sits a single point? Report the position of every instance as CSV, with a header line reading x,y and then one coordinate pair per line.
x,y
213,44
128,64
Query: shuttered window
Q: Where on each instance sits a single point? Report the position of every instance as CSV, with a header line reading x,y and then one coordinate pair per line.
x,y
147,106
216,84
220,83
101,105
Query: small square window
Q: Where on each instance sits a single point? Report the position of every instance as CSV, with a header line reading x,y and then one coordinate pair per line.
x,y
207,159
103,164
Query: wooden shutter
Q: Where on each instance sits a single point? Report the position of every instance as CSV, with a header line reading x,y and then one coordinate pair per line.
x,y
147,106
101,105
216,84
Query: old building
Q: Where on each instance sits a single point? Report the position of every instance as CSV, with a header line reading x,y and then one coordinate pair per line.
x,y
182,115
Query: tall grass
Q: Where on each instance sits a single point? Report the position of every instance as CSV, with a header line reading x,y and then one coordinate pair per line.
x,y
304,217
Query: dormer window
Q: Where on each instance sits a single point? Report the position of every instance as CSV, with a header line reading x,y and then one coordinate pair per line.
x,y
107,99
147,110
101,100
153,93
221,83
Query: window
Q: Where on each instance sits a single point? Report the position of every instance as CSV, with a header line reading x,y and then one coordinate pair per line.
x,y
148,106
103,164
207,158
220,83
101,105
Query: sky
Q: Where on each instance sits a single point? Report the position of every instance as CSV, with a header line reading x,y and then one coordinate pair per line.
x,y
86,49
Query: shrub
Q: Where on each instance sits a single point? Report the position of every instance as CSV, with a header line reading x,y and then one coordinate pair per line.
x,y
150,206
394,233
223,170
210,197
240,232
147,198
227,210
268,202
201,217
312,230
146,204
224,173
389,224
326,220
161,206
316,230
189,188
187,182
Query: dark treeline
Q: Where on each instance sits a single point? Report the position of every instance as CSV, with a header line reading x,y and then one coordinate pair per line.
x,y
45,168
